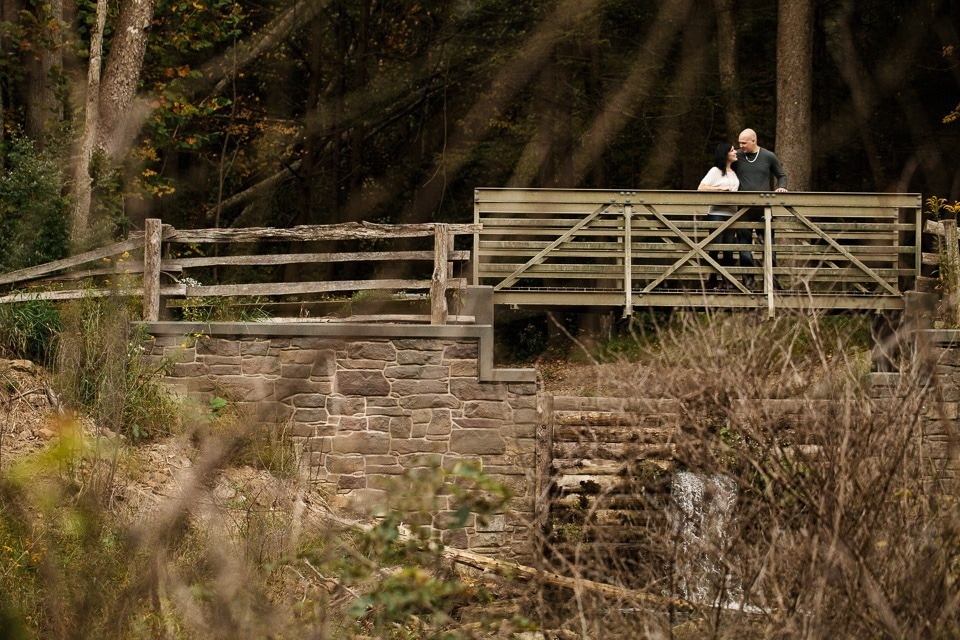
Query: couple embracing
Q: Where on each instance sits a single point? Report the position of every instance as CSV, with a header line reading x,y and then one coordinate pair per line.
x,y
748,169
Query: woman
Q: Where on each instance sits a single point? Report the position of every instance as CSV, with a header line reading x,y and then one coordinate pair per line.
x,y
722,177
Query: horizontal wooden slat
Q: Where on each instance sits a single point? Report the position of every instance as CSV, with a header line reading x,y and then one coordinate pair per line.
x,y
291,288
312,233
294,258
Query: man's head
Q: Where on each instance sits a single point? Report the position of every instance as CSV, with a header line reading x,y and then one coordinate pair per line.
x,y
748,141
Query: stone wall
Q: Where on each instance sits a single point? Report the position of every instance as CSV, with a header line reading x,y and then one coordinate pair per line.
x,y
367,403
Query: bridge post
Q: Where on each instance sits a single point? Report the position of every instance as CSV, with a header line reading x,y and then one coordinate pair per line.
x,y
768,258
152,238
627,261
438,286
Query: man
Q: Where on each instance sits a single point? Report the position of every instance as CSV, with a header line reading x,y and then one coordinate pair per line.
x,y
755,167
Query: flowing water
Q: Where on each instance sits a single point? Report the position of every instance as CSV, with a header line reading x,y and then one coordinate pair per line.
x,y
704,514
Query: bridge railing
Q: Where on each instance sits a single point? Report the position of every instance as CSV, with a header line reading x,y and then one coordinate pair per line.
x,y
283,267
657,248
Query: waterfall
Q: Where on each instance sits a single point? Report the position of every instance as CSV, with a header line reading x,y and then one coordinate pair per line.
x,y
703,514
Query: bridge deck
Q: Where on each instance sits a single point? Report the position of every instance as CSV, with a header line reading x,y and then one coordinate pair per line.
x,y
548,247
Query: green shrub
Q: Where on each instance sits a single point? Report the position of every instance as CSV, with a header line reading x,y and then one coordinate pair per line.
x,y
29,330
102,369
34,227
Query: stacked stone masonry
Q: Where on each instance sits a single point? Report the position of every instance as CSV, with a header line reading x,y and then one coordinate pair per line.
x,y
363,412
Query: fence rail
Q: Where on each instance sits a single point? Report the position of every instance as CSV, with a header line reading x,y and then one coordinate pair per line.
x,y
163,264
657,248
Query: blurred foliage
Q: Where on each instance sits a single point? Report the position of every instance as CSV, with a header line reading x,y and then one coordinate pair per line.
x,y
33,210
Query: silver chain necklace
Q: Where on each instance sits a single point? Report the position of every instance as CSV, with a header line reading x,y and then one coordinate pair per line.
x,y
754,157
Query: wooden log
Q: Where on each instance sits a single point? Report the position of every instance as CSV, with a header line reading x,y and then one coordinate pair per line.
x,y
310,233
30,273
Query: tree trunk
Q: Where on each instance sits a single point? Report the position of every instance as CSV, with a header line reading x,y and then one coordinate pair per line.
x,y
82,183
119,123
794,90
42,103
727,41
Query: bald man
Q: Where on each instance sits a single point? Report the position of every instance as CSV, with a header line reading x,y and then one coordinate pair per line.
x,y
755,168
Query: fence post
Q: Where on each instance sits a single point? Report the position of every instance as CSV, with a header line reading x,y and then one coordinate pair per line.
x,y
768,258
628,261
438,286
152,237
950,272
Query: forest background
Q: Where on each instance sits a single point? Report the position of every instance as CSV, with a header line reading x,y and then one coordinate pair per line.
x,y
240,113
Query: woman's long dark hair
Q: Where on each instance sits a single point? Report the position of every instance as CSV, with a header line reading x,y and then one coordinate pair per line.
x,y
720,156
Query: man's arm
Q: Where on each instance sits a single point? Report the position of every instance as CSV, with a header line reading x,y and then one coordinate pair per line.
x,y
777,170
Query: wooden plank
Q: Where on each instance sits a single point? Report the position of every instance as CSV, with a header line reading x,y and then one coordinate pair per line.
x,y
300,288
305,233
23,275
77,294
318,258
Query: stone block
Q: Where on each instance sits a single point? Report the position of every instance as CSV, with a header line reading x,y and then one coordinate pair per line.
x,y
296,370
420,460
418,357
352,482
441,423
372,351
316,343
526,416
341,406
464,369
352,423
522,388
491,524
382,403
496,410
352,363
413,387
310,415
188,370
319,444
524,430
417,372
420,344
267,411
217,347
456,538
244,389
220,370
422,416
297,356
430,401
476,442
469,389
325,364
260,365
407,446
362,442
477,423
362,383
400,426
308,400
461,351
379,423
287,388
254,347
344,464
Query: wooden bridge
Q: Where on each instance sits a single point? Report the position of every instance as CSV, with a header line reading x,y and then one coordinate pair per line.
x,y
534,247
632,249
